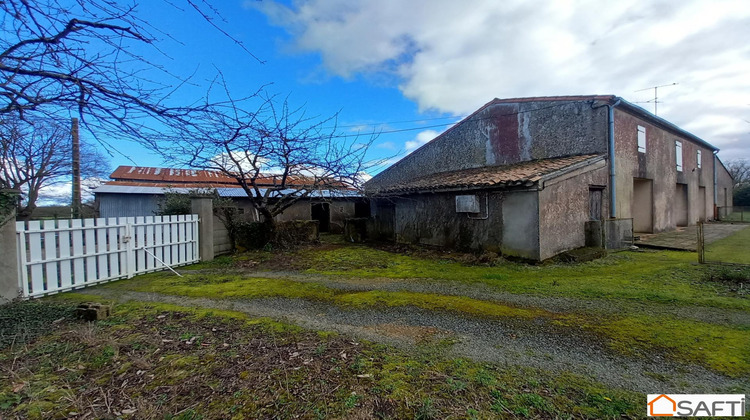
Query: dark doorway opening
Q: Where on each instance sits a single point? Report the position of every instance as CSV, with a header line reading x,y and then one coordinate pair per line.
x,y
322,213
596,199
362,209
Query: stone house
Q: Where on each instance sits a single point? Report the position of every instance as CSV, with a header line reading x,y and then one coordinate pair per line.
x,y
527,176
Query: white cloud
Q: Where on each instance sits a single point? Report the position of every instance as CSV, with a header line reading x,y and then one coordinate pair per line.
x,y
455,56
422,138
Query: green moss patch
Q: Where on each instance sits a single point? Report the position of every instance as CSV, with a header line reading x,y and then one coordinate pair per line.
x,y
652,276
722,348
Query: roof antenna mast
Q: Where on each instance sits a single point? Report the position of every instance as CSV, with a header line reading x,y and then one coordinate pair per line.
x,y
655,101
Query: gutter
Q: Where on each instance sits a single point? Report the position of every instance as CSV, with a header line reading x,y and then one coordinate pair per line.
x,y
611,152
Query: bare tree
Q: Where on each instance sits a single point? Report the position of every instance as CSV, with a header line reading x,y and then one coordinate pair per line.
x,y
37,155
277,153
739,169
63,57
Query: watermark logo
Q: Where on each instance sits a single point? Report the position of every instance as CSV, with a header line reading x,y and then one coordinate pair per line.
x,y
696,405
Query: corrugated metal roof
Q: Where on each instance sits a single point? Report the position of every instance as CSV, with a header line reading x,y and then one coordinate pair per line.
x,y
222,191
142,174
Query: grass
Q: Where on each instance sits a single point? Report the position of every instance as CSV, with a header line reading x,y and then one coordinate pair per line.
x,y
725,349
269,368
651,276
737,216
732,249
141,364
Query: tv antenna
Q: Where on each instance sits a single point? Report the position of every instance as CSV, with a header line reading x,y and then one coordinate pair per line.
x,y
655,101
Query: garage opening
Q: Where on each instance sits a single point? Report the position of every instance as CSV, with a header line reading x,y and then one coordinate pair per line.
x,y
322,213
681,205
643,205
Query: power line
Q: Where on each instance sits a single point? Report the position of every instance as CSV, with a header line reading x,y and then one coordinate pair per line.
x,y
459,117
401,130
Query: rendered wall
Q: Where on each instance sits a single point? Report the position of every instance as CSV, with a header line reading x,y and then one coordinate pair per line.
x,y
521,225
507,223
725,186
431,219
564,210
659,165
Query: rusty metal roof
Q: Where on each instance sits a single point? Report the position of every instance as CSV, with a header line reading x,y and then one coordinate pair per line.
x,y
514,175
199,178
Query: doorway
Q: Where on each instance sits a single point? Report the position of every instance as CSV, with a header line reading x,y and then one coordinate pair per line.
x,y
681,205
595,203
702,204
322,213
643,205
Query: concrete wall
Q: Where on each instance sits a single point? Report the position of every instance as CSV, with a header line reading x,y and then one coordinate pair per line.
x,y
724,185
521,225
659,165
505,133
222,242
431,219
508,222
9,288
564,209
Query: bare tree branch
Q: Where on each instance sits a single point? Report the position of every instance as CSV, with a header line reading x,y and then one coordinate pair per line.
x,y
36,155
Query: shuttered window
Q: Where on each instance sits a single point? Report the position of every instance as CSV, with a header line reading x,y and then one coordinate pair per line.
x,y
642,139
699,159
678,154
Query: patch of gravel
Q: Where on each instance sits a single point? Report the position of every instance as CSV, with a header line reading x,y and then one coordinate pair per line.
x,y
535,343
732,317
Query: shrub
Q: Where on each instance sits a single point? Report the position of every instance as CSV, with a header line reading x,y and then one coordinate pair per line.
x,y
252,235
259,235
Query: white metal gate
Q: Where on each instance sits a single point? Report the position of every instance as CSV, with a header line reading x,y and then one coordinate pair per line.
x,y
59,255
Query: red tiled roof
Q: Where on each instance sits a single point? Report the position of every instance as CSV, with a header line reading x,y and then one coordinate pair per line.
x,y
519,174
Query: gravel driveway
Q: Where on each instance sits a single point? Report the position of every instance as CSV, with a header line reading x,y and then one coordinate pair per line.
x,y
535,343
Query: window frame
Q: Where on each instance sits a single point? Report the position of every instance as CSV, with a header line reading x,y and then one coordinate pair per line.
x,y
678,155
699,159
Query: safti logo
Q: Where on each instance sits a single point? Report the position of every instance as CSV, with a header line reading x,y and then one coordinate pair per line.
x,y
696,405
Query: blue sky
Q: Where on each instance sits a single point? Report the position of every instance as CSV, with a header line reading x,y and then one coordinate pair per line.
x,y
430,62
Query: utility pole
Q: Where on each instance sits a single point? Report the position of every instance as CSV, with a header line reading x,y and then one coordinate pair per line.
x,y
76,169
656,95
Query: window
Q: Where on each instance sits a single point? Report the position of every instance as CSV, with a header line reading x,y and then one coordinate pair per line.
x,y
698,158
678,154
642,139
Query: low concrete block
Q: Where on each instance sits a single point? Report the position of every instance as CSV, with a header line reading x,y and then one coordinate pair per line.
x,y
92,311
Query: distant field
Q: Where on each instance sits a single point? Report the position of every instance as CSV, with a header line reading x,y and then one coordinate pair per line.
x,y
732,249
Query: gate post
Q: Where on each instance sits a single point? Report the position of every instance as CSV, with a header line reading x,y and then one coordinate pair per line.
x,y
203,207
9,283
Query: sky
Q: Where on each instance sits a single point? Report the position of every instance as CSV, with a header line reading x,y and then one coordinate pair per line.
x,y
410,69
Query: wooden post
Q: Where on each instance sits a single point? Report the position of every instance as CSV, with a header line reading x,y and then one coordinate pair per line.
x,y
76,151
701,238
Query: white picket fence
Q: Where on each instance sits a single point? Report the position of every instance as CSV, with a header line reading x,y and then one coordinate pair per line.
x,y
59,255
